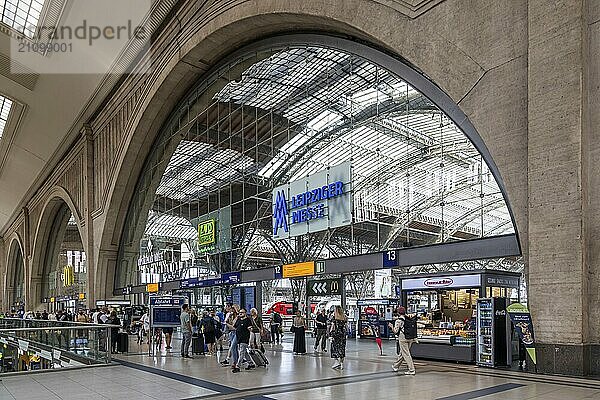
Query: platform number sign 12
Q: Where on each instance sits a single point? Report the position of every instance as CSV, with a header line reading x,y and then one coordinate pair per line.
x,y
278,272
390,258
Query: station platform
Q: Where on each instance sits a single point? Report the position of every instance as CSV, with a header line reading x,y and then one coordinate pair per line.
x,y
367,375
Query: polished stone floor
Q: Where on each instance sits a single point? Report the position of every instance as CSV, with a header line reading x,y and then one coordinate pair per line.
x,y
367,375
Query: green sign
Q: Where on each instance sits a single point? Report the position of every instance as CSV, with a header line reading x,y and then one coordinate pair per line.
x,y
521,319
206,233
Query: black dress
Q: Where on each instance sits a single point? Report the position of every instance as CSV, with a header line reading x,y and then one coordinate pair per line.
x,y
338,339
299,336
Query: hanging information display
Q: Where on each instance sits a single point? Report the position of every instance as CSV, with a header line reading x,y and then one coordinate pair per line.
x,y
299,269
315,203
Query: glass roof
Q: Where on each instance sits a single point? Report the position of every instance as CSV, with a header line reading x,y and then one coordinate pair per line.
x,y
411,164
22,15
5,105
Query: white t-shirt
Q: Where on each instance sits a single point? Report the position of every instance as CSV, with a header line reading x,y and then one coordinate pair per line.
x,y
146,321
95,317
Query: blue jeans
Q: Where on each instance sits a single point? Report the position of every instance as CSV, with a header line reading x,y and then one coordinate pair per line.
x,y
233,345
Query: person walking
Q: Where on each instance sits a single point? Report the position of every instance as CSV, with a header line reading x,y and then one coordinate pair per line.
x,y
256,328
186,329
321,327
338,337
243,326
275,322
403,342
299,329
230,320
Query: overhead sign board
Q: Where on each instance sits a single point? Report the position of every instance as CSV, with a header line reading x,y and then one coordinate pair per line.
x,y
299,269
441,282
152,287
229,278
324,287
167,301
316,203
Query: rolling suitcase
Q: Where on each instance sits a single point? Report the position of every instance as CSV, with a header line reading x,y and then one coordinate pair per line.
x,y
258,358
265,336
198,344
123,343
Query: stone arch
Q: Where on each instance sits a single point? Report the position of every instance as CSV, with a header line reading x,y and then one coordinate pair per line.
x,y
51,226
451,68
14,271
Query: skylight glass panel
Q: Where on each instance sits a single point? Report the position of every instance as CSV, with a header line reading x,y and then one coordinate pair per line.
x,y
22,15
5,105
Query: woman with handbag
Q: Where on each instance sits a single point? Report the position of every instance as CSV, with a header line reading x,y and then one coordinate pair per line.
x,y
298,329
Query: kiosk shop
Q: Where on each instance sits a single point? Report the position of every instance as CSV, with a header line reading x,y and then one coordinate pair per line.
x,y
446,306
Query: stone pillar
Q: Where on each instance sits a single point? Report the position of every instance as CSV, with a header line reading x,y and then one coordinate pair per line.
x,y
559,193
4,284
88,196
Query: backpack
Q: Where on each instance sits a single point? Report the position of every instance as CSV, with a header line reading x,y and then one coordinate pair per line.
x,y
277,318
209,326
410,327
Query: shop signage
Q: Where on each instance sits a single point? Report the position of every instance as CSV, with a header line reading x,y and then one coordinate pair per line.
x,y
102,303
299,269
438,282
206,232
441,282
502,281
324,287
316,203
521,319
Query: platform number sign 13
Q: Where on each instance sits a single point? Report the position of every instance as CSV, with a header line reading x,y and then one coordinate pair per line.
x,y
390,258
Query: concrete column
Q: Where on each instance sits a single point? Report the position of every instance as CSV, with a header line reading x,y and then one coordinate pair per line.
x,y
88,197
559,265
4,285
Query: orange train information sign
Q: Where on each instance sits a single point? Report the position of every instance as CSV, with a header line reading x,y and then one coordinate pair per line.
x,y
152,287
299,269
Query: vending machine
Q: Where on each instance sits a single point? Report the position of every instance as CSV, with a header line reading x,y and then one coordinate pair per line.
x,y
493,333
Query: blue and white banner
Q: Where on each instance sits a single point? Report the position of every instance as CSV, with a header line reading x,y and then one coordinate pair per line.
x,y
315,203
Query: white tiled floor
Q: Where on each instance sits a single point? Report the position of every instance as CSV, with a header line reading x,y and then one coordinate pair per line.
x,y
366,376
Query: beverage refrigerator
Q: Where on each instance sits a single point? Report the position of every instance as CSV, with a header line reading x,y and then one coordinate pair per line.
x,y
493,333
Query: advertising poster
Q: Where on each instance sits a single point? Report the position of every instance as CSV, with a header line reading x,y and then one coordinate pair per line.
x,y
383,283
521,319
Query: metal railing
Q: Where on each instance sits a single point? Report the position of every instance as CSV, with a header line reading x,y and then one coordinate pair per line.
x,y
60,342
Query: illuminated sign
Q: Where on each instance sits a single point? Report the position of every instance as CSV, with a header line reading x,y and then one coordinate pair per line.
x,y
206,232
152,287
318,202
442,282
299,269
